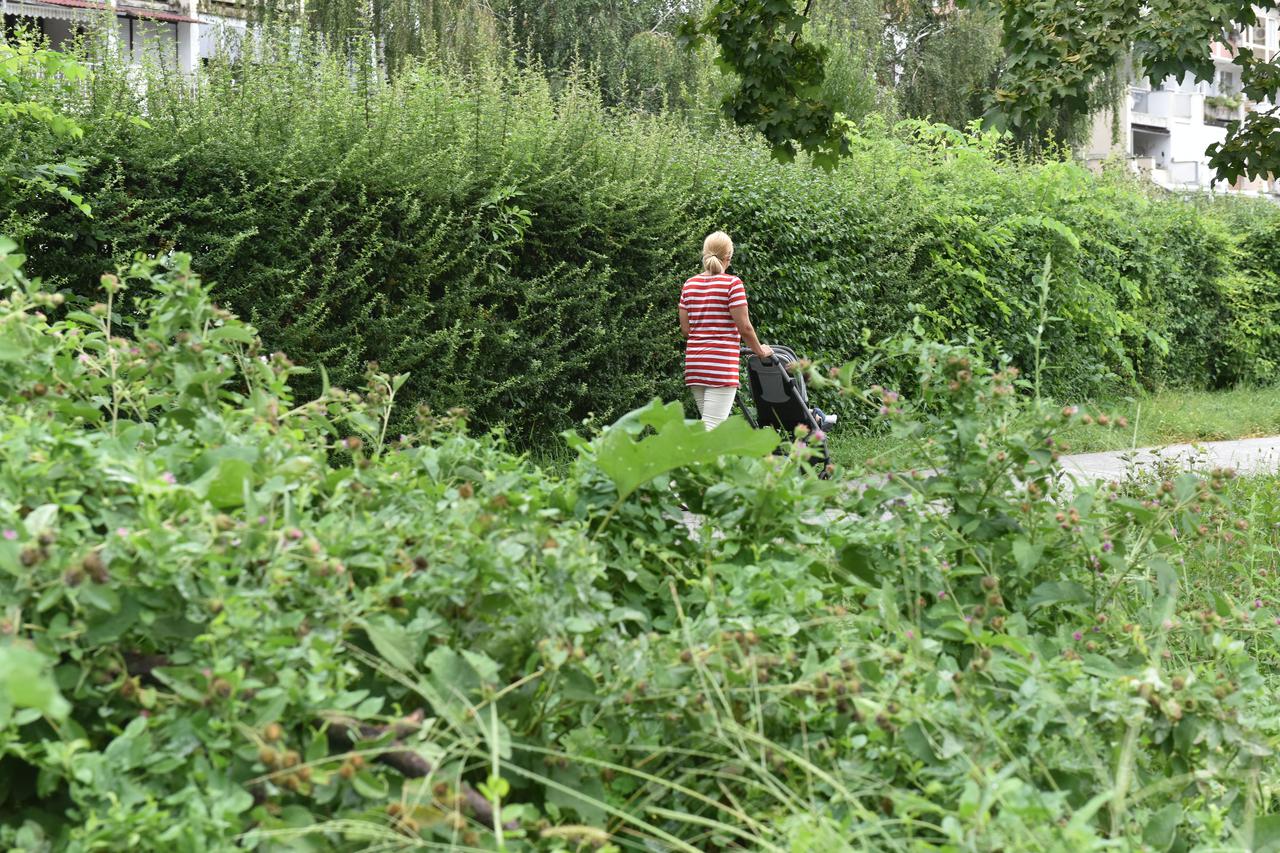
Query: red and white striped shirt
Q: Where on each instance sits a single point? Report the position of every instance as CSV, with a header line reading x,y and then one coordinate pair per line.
x,y
711,356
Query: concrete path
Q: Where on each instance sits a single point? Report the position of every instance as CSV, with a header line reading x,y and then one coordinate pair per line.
x,y
1247,456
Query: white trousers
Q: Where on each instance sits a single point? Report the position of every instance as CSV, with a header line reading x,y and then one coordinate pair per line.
x,y
714,404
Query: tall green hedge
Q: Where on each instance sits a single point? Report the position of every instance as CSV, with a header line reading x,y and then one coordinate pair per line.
x,y
519,252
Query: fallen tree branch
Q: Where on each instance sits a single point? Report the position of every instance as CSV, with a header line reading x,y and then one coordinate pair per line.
x,y
143,666
344,732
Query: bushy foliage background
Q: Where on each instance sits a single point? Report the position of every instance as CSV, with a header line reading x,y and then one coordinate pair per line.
x,y
518,249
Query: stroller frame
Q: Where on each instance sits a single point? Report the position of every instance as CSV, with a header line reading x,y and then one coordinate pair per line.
x,y
781,401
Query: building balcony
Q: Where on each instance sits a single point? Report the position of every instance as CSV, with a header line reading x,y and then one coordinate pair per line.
x,y
1220,112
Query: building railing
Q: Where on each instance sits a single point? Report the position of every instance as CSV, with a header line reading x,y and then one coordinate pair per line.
x,y
1188,172
1217,112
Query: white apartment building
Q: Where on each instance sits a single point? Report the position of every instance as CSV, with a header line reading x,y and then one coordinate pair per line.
x,y
175,32
1163,130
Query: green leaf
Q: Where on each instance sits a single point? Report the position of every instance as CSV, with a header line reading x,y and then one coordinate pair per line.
x,y
369,786
1162,827
1266,834
102,597
227,471
26,682
856,559
675,444
233,332
1057,592
1166,577
1186,733
1027,555
393,642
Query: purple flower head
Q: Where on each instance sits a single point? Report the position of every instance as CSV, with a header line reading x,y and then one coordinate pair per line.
x,y
84,358
169,478
10,535
884,410
262,519
942,596
969,619
911,635
819,436
122,532
891,396
1107,546
1257,603
1077,636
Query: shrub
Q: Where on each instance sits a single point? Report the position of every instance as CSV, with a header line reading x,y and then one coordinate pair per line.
x,y
518,251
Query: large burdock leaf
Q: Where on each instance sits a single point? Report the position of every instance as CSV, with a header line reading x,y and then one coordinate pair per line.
x,y
674,443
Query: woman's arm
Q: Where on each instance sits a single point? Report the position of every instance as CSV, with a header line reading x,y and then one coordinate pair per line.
x,y
684,322
743,321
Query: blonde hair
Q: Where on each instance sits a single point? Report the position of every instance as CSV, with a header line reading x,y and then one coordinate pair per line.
x,y
716,251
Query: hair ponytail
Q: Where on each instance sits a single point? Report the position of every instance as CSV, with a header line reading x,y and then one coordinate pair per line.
x,y
716,251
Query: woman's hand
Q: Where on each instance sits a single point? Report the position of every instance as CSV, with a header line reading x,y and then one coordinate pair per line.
x,y
764,351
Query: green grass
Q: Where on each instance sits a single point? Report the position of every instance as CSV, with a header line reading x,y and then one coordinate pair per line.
x,y
1167,417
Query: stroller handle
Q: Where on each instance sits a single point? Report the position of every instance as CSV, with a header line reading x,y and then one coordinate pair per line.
x,y
746,351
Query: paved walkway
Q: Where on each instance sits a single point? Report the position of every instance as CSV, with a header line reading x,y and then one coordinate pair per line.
x,y
1246,456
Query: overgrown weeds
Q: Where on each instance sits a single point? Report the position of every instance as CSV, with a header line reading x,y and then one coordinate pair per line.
x,y
237,615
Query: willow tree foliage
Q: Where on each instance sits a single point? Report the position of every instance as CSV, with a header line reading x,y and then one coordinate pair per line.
x,y
940,60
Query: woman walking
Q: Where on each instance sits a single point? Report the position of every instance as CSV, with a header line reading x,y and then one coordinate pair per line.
x,y
714,321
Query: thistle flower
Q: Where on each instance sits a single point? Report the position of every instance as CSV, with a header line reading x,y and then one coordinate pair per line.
x,y
169,478
10,535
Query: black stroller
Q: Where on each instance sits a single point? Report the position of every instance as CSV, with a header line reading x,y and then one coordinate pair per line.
x,y
782,402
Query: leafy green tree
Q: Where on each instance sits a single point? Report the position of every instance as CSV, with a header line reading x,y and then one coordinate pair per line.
x,y
780,75
630,47
940,60
32,128
1061,54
